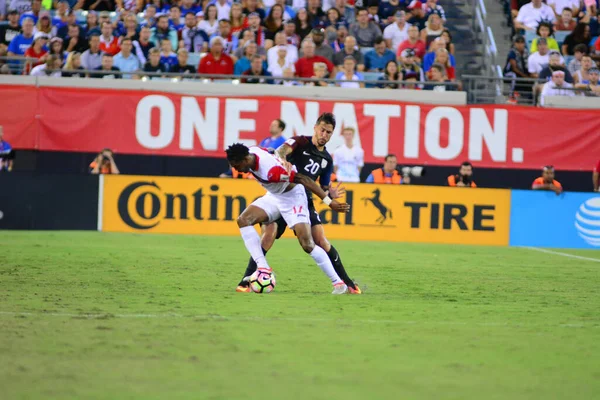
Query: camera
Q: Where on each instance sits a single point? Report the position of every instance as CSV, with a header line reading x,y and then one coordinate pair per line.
x,y
414,172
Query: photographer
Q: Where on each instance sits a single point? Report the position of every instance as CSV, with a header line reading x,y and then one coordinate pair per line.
x,y
464,178
7,154
388,173
104,163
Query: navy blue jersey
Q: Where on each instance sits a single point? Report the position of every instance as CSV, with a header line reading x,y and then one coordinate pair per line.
x,y
310,161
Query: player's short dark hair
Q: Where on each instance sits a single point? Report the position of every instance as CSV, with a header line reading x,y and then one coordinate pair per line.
x,y
466,164
327,118
237,152
281,124
390,156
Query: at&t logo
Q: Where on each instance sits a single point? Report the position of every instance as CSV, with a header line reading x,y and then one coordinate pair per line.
x,y
587,221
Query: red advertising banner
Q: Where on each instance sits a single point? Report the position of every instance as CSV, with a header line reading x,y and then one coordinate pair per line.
x,y
144,122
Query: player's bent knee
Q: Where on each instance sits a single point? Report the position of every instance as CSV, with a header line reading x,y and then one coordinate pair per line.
x,y
307,244
243,221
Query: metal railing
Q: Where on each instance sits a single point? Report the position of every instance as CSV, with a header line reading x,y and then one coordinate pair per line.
x,y
487,47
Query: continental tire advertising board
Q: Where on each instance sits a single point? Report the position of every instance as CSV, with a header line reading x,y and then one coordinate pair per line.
x,y
379,212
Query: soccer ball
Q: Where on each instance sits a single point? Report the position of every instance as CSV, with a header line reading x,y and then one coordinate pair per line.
x,y
262,281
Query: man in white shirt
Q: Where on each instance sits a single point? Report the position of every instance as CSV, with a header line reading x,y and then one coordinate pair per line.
x,y
532,13
396,33
281,40
348,159
556,87
538,60
223,8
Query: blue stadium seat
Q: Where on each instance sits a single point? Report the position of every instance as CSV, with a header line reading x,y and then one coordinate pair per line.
x,y
560,36
529,36
194,59
372,76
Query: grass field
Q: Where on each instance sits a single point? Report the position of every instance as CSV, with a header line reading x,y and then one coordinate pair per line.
x,y
110,316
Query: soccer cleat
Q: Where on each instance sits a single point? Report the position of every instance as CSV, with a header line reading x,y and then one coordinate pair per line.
x,y
340,288
354,291
243,289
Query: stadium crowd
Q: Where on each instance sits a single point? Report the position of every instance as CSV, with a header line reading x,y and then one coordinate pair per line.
x,y
555,42
394,41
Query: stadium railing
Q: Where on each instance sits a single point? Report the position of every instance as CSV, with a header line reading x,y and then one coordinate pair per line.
x,y
487,46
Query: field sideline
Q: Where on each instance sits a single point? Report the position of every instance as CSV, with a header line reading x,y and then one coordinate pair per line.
x,y
109,316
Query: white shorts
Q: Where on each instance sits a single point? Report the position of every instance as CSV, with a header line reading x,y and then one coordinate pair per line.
x,y
292,206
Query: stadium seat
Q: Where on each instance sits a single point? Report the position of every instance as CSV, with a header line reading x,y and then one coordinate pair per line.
x,y
365,50
560,36
372,76
529,36
194,59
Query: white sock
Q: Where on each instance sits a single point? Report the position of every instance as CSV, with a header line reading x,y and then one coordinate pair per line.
x,y
252,242
323,261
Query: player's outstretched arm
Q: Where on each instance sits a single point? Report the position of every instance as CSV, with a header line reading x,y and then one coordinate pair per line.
x,y
316,189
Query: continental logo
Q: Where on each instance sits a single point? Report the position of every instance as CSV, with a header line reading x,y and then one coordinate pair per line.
x,y
142,205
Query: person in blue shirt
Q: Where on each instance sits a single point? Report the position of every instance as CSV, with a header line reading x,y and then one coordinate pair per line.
x,y
276,139
21,43
429,59
167,56
243,64
33,12
126,61
189,6
6,153
175,18
377,59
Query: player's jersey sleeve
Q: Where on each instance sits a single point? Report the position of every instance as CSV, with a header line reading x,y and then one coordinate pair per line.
x,y
267,169
325,177
297,142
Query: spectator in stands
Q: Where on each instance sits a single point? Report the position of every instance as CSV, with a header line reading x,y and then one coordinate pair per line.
x,y
51,67
303,24
433,29
223,8
315,12
575,64
432,7
544,30
290,33
273,24
91,23
442,57
410,64
150,15
321,49
438,44
189,6
464,178
304,65
580,35
92,58
247,36
556,87
517,59
391,73
377,59
291,51
256,72
413,42
342,34
276,139
104,163
237,18
182,67
417,14
44,25
194,40
387,11
333,19
252,7
143,45
167,56
547,181
130,29
363,30
37,51
73,66
9,31
532,13
349,50
103,17
438,80
447,36
537,60
175,17
230,41
125,60
6,153
255,28
74,40
162,31
555,64
210,23
243,64
289,74
387,174
372,7
216,62
558,6
56,47
109,44
319,72
566,21
346,12
153,64
105,69
282,63
396,32
592,87
348,73
31,11
20,43
582,75
348,159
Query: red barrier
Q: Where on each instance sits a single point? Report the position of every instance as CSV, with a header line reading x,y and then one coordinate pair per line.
x,y
142,122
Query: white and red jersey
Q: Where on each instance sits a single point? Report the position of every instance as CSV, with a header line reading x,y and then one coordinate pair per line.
x,y
269,171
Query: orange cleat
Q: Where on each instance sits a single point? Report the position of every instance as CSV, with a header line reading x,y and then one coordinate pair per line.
x,y
354,291
243,289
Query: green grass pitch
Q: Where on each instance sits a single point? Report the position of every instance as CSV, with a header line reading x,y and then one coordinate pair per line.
x,y
114,316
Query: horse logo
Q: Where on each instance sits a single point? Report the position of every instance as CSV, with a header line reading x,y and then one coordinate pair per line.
x,y
383,210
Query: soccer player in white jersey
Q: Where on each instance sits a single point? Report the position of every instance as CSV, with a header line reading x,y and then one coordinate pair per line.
x,y
348,159
285,198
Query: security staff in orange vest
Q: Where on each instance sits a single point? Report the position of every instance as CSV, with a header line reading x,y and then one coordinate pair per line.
x,y
388,173
464,178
